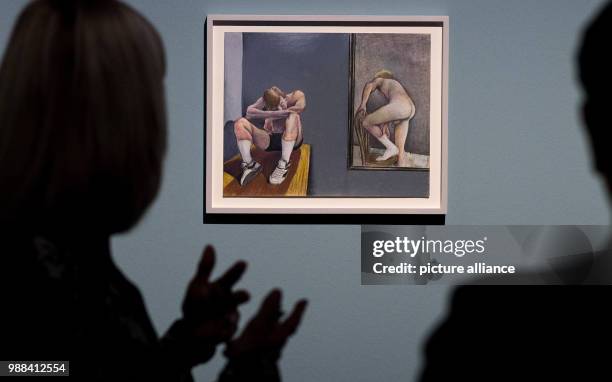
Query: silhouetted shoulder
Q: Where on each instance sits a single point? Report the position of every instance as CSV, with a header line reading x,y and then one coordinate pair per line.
x,y
69,301
520,331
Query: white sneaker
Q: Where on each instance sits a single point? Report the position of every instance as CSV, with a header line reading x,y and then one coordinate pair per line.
x,y
280,172
249,172
390,152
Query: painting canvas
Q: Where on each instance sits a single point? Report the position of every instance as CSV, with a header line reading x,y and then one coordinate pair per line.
x,y
300,111
391,81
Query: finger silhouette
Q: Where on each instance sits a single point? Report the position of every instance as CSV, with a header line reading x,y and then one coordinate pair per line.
x,y
207,263
290,325
269,311
240,297
232,275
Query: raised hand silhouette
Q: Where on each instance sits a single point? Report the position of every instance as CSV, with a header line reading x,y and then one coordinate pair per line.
x,y
210,309
254,354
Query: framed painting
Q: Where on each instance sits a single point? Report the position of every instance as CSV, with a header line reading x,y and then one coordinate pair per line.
x,y
334,115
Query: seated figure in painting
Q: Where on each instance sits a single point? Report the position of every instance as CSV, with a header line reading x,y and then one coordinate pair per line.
x,y
397,113
282,131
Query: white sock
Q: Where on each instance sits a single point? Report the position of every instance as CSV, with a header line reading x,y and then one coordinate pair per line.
x,y
387,142
287,149
244,147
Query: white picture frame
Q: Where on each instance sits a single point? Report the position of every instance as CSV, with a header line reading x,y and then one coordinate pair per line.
x,y
435,203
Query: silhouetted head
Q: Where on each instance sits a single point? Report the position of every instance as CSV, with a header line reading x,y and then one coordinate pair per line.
x,y
595,74
384,73
82,116
273,98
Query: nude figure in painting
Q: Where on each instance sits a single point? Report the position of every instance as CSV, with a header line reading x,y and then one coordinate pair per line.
x,y
397,113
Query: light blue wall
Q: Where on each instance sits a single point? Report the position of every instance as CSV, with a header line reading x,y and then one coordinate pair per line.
x,y
516,155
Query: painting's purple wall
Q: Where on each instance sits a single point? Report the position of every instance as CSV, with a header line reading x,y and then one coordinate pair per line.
x,y
232,100
232,103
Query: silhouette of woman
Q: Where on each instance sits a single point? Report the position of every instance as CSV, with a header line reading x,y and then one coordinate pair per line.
x,y
82,140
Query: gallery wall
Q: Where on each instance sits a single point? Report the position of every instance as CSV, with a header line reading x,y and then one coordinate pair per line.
x,y
516,153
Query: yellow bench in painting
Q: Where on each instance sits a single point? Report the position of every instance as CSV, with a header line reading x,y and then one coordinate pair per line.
x,y
295,185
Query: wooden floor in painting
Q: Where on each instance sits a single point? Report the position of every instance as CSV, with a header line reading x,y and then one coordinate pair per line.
x,y
295,185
